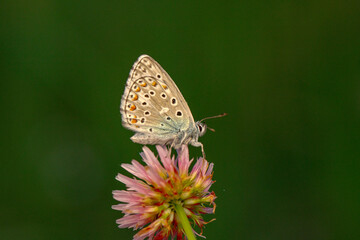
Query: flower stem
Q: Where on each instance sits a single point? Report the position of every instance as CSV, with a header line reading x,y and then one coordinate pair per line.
x,y
185,222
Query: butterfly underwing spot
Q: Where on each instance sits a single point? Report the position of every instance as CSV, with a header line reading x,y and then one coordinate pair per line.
x,y
147,113
147,63
142,120
168,118
142,83
136,88
144,103
179,113
152,93
149,79
132,107
173,101
134,96
164,110
163,95
158,76
150,129
146,95
141,68
161,124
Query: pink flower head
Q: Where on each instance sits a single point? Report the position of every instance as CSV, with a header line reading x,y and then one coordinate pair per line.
x,y
150,199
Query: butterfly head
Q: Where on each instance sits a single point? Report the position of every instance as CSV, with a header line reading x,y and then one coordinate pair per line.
x,y
201,128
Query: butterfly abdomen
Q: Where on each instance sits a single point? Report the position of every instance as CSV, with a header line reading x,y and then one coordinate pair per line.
x,y
150,139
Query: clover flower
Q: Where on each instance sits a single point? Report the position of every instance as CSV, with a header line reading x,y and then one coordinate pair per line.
x,y
165,196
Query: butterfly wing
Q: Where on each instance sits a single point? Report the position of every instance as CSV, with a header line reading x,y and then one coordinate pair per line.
x,y
152,104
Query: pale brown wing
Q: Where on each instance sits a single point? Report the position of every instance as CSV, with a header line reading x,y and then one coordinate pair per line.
x,y
152,103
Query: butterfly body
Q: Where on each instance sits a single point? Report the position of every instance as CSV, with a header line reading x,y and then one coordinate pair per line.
x,y
153,107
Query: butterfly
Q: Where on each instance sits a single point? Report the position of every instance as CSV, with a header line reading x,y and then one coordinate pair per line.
x,y
153,107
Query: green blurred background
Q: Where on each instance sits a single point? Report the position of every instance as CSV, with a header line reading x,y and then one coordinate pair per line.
x,y
287,73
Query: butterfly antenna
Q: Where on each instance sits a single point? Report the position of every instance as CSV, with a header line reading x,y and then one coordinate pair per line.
x,y
211,129
217,116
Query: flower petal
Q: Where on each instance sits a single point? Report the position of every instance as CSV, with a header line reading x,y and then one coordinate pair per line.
x,y
136,169
150,159
134,185
126,196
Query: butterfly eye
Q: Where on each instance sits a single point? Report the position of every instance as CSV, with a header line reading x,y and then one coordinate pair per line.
x,y
200,128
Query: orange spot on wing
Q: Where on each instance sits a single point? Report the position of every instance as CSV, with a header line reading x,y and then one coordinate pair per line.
x,y
132,108
133,121
154,83
143,84
135,97
137,89
164,86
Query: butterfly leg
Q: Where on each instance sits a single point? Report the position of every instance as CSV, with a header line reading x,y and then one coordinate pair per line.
x,y
171,146
174,144
178,141
199,144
